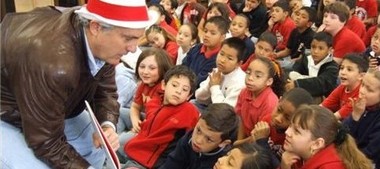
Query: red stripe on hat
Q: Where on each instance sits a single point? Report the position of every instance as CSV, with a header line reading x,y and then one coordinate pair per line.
x,y
117,12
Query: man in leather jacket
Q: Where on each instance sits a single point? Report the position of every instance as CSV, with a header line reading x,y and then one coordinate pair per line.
x,y
51,62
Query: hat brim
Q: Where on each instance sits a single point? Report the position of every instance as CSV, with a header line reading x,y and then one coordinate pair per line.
x,y
153,17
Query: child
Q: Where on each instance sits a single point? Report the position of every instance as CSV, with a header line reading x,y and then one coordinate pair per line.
x,y
373,52
210,139
354,23
264,47
167,120
239,29
282,23
351,72
345,41
364,121
215,9
159,38
192,12
270,133
170,6
316,73
186,38
201,58
164,19
224,83
367,11
299,40
246,156
256,12
315,139
260,97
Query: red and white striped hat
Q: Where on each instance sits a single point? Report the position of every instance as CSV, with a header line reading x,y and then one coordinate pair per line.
x,y
122,13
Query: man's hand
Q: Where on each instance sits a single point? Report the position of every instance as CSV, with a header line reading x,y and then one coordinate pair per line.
x,y
110,134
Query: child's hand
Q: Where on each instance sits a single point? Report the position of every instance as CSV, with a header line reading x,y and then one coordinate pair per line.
x,y
136,125
358,107
261,130
289,85
288,159
373,63
321,28
270,23
215,77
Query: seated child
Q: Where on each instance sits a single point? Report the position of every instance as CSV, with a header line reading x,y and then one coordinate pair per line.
x,y
316,139
172,19
186,38
246,156
226,81
211,138
157,37
364,121
201,58
167,120
351,73
260,97
264,47
239,29
354,23
373,52
316,73
215,9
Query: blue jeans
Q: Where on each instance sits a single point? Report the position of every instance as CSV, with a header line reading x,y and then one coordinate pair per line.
x,y
16,154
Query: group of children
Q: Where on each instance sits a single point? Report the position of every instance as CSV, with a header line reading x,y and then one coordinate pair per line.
x,y
241,97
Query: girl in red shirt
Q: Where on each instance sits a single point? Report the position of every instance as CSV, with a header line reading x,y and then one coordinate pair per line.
x,y
159,38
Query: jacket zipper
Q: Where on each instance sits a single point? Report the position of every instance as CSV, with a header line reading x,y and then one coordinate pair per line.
x,y
155,115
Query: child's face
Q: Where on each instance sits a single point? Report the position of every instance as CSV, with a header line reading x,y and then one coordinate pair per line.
x,y
177,90
234,159
319,50
252,4
148,70
212,36
349,73
278,14
375,42
257,77
263,49
282,116
302,19
238,26
370,90
205,140
269,3
227,59
213,12
298,140
295,5
332,22
328,2
167,4
156,39
184,36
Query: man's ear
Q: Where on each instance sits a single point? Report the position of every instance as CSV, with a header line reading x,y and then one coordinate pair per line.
x,y
94,27
225,143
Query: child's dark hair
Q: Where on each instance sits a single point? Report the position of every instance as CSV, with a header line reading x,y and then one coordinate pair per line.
x,y
221,117
174,4
182,70
350,3
162,58
269,38
297,97
221,23
359,60
162,11
324,37
283,4
245,18
340,9
255,156
238,45
157,29
275,72
311,12
194,32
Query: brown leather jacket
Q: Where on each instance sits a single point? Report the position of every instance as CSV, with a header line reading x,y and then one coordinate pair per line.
x,y
45,79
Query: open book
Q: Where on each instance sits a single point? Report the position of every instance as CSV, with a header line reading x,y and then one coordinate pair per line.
x,y
111,157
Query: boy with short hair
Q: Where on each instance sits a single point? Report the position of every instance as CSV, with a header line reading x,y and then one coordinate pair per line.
x,y
264,47
224,83
282,23
201,148
300,38
167,120
345,41
316,73
201,58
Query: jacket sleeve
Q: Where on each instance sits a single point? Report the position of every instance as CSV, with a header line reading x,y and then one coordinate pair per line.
x,y
202,94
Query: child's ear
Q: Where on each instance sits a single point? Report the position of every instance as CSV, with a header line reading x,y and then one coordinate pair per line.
x,y
309,24
225,143
318,144
362,75
188,97
163,84
270,81
331,50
